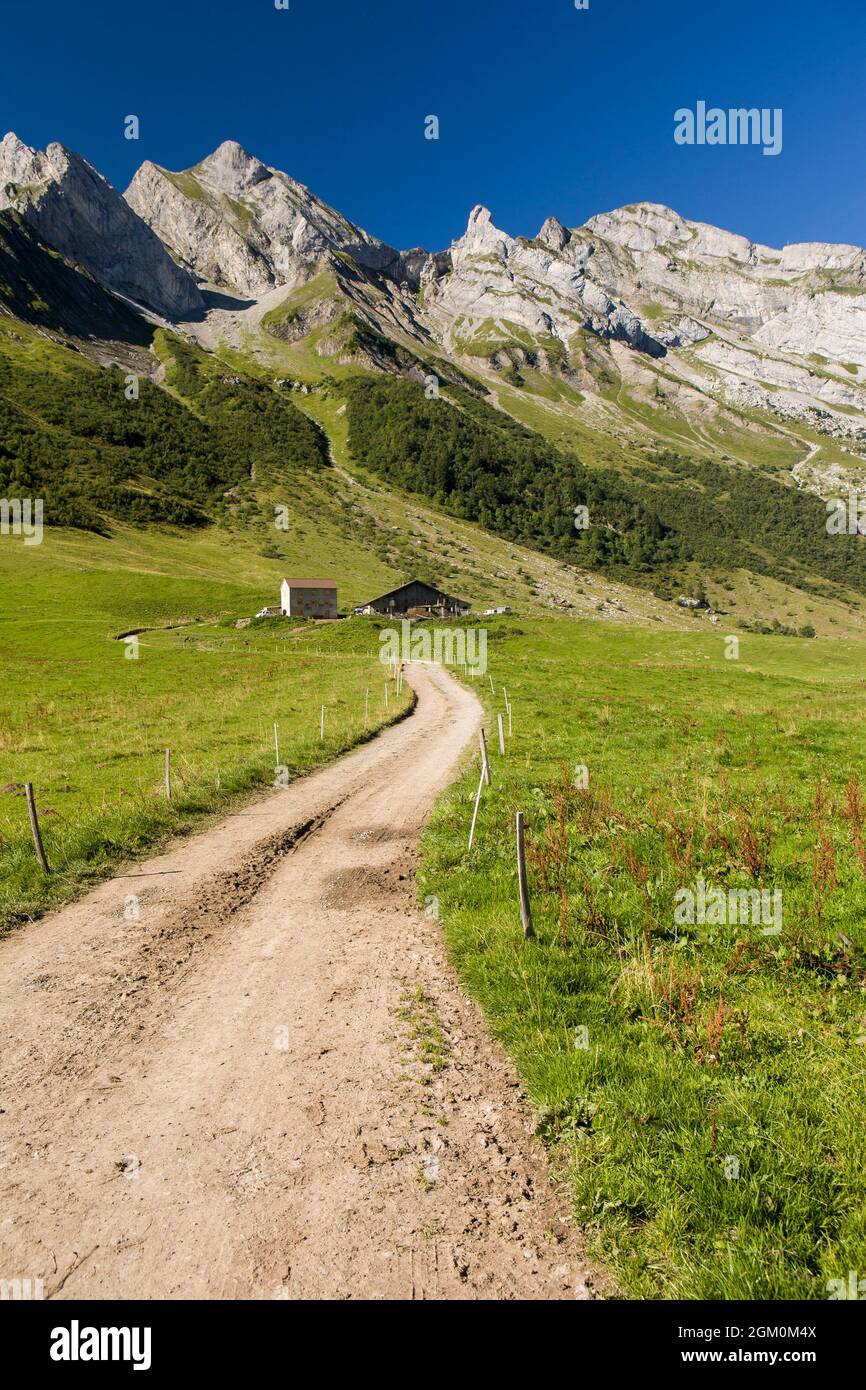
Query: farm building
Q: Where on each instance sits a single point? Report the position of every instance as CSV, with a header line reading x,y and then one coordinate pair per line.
x,y
415,598
309,598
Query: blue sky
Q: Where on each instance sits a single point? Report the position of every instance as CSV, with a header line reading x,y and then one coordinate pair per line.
x,y
543,109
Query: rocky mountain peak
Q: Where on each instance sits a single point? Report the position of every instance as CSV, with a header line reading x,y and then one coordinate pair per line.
x,y
500,285
241,224
479,217
76,210
482,237
232,169
641,226
554,234
20,164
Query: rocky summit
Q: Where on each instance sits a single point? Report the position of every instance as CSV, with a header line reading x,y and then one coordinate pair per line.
x,y
76,211
242,225
718,330
638,327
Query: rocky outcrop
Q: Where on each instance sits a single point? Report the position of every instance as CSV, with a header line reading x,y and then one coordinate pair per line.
x,y
241,224
43,288
502,287
803,299
207,232
75,210
553,235
741,326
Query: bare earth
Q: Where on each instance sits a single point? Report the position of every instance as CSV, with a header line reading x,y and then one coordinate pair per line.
x,y
229,1097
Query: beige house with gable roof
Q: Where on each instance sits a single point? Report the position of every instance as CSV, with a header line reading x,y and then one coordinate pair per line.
x,y
309,598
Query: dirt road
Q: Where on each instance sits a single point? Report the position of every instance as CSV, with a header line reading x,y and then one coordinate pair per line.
x,y
244,1069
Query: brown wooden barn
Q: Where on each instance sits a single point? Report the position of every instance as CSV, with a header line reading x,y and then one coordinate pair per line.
x,y
416,599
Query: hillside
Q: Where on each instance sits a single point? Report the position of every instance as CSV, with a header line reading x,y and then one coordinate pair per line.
x,y
643,371
176,464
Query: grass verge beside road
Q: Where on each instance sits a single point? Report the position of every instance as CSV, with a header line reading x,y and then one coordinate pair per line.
x,y
702,1085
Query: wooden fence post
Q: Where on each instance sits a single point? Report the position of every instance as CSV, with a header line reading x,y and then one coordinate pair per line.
x,y
509,719
523,887
485,761
168,773
34,827
477,801
386,694
501,735
490,678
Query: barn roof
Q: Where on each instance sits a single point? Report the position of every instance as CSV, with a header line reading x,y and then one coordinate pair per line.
x,y
408,585
311,583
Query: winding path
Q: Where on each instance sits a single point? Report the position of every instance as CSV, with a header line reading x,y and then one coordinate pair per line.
x,y
244,1069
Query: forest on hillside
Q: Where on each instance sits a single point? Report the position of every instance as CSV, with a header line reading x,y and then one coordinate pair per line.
x,y
71,435
74,438
487,468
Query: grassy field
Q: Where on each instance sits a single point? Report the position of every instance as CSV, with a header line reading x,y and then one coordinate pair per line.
x,y
88,724
702,1086
89,727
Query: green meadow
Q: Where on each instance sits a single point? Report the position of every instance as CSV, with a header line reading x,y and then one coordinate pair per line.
x,y
701,1086
87,721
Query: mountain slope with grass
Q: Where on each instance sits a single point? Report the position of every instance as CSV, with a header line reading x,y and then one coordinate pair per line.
x,y
522,385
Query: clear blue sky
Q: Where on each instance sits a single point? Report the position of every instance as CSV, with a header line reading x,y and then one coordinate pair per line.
x,y
543,109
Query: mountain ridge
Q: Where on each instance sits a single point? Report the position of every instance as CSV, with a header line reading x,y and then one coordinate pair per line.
x,y
75,209
679,374
242,223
